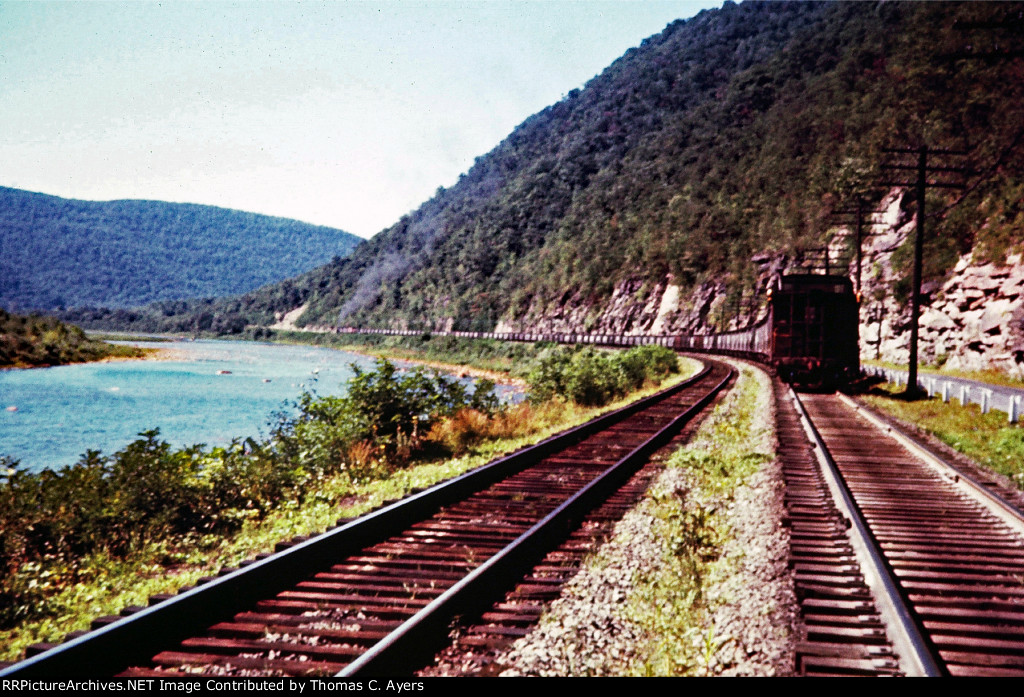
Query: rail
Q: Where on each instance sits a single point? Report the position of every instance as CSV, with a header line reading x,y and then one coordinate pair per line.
x,y
137,638
944,558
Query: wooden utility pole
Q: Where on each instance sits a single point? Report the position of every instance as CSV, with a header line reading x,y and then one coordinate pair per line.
x,y
915,293
860,238
858,224
921,185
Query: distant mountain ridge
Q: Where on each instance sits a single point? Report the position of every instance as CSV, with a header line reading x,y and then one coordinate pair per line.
x,y
60,253
662,196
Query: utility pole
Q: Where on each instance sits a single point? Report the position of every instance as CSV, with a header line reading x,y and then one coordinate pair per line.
x,y
921,185
858,224
915,293
860,238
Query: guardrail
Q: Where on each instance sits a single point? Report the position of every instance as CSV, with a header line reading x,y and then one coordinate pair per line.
x,y
1007,399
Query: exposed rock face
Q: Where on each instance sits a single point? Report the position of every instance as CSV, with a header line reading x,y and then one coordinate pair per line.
x,y
635,307
286,320
971,321
639,307
976,318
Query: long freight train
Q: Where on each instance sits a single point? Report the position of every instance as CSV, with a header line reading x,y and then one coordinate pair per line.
x,y
809,335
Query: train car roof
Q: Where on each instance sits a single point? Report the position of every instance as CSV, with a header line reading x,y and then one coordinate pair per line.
x,y
811,281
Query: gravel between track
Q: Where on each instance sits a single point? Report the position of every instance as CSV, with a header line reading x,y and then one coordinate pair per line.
x,y
752,605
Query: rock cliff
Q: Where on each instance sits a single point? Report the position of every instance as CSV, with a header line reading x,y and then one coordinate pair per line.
x,y
971,320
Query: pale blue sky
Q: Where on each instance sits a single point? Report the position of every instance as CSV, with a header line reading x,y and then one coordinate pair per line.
x,y
347,114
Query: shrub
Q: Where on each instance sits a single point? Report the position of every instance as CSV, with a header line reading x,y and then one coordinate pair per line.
x,y
150,491
593,378
392,409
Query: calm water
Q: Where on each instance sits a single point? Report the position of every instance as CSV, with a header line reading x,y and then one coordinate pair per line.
x,y
64,411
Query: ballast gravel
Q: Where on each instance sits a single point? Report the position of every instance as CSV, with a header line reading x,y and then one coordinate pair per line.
x,y
586,632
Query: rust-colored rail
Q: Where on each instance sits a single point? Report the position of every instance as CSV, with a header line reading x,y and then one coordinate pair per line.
x,y
841,632
378,594
958,568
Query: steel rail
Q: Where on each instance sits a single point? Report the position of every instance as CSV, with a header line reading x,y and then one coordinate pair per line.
x,y
916,655
140,636
426,631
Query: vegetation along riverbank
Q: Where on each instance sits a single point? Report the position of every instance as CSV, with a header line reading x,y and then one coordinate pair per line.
x,y
35,341
502,361
109,531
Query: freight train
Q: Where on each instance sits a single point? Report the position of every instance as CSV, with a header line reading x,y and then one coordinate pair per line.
x,y
809,335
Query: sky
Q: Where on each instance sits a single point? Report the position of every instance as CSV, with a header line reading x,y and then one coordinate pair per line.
x,y
344,113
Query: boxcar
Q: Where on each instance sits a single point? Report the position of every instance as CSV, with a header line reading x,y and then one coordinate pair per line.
x,y
814,338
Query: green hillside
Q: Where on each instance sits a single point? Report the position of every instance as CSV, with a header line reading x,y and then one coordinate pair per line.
x,y
724,137
57,253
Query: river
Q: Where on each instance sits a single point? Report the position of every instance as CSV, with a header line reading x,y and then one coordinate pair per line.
x,y
208,392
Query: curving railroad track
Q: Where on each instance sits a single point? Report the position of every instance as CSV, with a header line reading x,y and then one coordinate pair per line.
x,y
379,594
902,564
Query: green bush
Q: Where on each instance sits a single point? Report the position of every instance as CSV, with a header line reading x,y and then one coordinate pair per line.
x,y
151,492
592,378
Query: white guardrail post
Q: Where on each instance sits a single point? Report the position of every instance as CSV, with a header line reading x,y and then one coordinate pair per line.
x,y
938,386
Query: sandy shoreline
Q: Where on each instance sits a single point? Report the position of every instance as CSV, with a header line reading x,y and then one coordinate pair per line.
x,y
151,354
456,369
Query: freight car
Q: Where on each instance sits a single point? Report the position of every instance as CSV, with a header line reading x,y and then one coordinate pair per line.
x,y
815,329
809,335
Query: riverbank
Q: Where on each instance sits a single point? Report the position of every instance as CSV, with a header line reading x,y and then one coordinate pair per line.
x,y
501,362
210,392
456,363
103,583
139,354
41,342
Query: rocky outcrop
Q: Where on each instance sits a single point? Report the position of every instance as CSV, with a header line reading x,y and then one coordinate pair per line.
x,y
286,322
651,308
635,307
976,319
972,320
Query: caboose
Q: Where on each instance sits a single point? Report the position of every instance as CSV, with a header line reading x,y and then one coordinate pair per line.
x,y
815,328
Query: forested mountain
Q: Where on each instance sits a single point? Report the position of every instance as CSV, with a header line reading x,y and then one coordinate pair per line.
x,y
726,137
57,253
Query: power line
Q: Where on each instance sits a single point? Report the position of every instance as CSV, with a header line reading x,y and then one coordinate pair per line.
x,y
922,183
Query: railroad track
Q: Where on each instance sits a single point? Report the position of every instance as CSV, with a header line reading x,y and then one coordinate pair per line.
x,y
919,572
379,594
